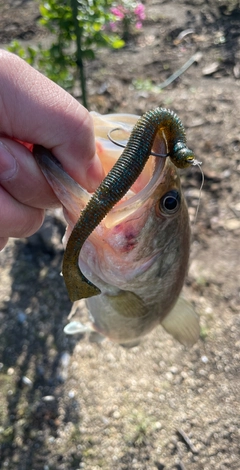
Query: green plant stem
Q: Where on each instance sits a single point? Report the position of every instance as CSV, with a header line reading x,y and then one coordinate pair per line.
x,y
79,61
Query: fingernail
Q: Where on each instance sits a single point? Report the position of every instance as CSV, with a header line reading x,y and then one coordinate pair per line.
x,y
95,174
8,164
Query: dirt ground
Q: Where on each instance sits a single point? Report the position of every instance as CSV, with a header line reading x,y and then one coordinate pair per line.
x,y
69,404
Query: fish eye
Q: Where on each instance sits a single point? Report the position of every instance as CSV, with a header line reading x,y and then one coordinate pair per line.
x,y
170,202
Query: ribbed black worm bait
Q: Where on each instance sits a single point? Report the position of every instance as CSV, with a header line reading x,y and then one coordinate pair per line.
x,y
115,185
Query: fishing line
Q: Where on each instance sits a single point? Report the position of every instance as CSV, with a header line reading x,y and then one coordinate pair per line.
x,y
197,163
123,146
194,163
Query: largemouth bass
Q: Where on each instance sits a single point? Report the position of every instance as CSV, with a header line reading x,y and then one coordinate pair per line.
x,y
137,256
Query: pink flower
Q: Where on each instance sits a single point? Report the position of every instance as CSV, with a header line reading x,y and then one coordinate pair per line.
x,y
118,12
128,14
140,12
138,24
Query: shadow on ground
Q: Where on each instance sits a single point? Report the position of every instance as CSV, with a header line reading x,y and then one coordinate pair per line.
x,y
34,352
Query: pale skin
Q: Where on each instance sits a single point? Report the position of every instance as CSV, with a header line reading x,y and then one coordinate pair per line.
x,y
35,110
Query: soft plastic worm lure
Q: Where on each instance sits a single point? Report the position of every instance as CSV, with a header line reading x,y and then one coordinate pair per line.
x,y
115,185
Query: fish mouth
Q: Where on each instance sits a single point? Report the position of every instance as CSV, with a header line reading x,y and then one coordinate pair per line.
x,y
134,200
120,127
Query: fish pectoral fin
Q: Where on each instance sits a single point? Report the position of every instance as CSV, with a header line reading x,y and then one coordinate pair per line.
x,y
127,304
75,327
182,323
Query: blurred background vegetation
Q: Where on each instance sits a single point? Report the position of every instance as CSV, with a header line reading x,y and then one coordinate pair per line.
x,y
79,30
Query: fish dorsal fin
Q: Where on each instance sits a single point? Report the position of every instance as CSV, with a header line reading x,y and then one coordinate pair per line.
x,y
182,323
127,304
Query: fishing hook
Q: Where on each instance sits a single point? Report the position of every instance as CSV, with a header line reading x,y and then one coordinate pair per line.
x,y
123,146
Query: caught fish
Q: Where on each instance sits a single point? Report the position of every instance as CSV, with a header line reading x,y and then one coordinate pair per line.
x,y
133,252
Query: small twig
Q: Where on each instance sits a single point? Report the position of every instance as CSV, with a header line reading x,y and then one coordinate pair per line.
x,y
195,58
79,53
187,441
235,212
182,35
181,465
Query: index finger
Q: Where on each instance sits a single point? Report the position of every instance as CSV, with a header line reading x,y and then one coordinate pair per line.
x,y
36,110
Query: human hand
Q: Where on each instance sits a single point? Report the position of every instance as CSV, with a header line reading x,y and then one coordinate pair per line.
x,y
35,110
